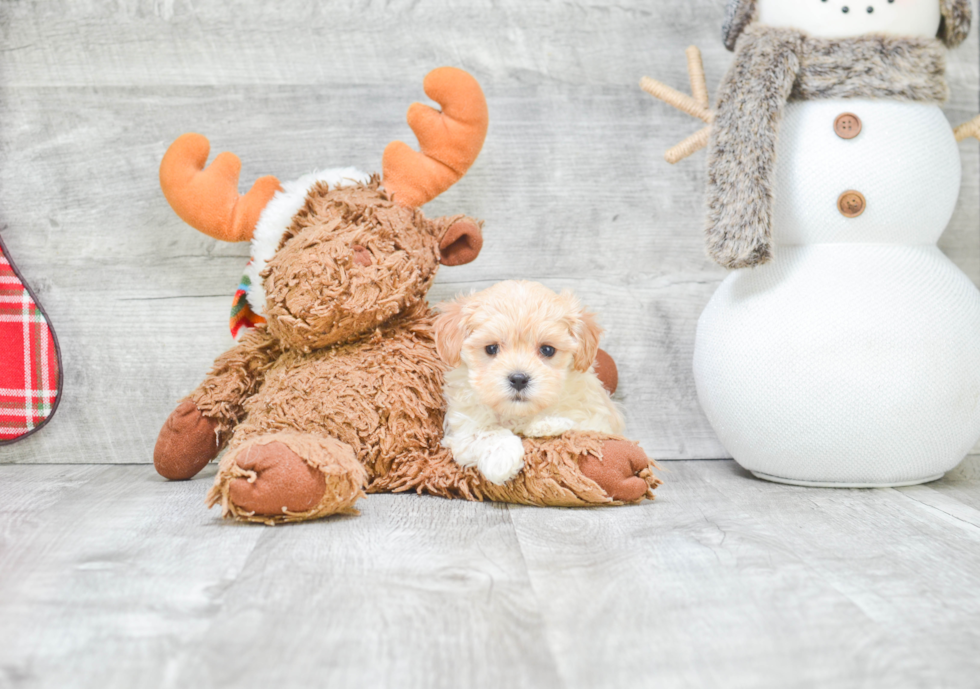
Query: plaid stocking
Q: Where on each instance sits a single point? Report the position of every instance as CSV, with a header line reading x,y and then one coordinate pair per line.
x,y
30,361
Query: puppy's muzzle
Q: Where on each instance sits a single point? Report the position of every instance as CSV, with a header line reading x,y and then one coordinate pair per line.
x,y
519,381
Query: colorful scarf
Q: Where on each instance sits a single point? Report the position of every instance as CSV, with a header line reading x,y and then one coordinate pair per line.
x,y
243,318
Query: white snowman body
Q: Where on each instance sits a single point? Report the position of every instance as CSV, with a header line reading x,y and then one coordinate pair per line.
x,y
853,357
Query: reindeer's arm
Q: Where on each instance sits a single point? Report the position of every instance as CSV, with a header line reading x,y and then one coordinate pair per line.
x,y
200,426
236,375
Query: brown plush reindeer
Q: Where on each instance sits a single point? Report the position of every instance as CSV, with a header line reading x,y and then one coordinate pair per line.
x,y
338,387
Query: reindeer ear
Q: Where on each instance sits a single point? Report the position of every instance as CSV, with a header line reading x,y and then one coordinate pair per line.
x,y
461,243
587,331
450,331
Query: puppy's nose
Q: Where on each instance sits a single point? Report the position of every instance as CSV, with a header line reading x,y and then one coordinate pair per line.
x,y
519,381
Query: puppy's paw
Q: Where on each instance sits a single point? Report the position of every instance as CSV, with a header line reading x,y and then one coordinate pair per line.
x,y
502,458
548,426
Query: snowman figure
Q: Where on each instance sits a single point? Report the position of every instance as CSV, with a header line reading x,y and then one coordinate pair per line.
x,y
844,347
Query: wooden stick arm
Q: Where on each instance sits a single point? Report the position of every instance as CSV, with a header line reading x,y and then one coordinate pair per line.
x,y
695,69
681,101
695,105
968,129
688,146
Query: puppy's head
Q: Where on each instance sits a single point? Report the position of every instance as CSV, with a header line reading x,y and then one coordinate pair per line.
x,y
518,341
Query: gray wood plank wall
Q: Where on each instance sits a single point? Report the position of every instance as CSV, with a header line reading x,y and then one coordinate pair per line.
x,y
571,182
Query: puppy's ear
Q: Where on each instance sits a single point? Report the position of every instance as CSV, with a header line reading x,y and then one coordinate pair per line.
x,y
450,331
587,331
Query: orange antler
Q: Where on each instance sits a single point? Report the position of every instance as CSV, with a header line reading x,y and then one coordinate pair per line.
x,y
450,140
208,199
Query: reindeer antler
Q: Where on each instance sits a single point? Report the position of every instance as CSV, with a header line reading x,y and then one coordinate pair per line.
x,y
208,199
450,140
698,106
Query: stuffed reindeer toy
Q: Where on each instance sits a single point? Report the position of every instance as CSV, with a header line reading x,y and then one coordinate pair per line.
x,y
335,385
842,348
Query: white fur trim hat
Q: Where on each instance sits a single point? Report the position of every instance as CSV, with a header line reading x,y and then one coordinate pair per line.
x,y
953,29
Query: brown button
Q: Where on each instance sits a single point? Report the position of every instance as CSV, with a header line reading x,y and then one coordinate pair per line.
x,y
847,125
851,204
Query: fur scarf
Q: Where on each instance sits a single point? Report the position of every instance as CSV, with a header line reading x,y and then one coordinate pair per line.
x,y
773,66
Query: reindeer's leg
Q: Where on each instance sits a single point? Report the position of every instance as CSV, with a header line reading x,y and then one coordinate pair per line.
x,y
597,469
287,477
575,469
195,432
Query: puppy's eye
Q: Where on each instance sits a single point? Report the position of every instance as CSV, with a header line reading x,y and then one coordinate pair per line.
x,y
492,349
547,351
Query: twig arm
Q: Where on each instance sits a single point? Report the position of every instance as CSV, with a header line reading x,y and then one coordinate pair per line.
x,y
679,100
695,68
696,105
688,146
968,129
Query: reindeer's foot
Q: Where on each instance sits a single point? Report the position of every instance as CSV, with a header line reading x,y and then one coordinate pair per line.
x,y
187,442
624,472
287,477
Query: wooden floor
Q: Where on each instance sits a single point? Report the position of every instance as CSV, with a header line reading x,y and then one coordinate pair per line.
x,y
111,577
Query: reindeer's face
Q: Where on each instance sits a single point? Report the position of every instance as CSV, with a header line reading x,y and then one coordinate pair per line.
x,y
335,254
350,260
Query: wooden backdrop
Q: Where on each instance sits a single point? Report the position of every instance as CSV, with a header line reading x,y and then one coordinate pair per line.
x,y
571,183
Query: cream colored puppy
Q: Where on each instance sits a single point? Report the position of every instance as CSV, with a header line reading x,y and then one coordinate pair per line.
x,y
522,359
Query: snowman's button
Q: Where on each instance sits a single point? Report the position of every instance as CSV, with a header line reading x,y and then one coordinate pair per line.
x,y
847,125
851,204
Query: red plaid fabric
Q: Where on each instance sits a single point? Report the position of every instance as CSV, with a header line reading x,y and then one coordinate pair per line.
x,y
30,374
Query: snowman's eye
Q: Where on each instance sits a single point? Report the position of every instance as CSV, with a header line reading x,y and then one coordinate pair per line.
x,y
871,10
845,9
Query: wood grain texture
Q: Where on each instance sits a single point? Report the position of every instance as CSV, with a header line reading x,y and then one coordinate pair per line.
x,y
111,577
571,182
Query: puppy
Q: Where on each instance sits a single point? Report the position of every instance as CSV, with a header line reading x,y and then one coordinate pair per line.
x,y
522,359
